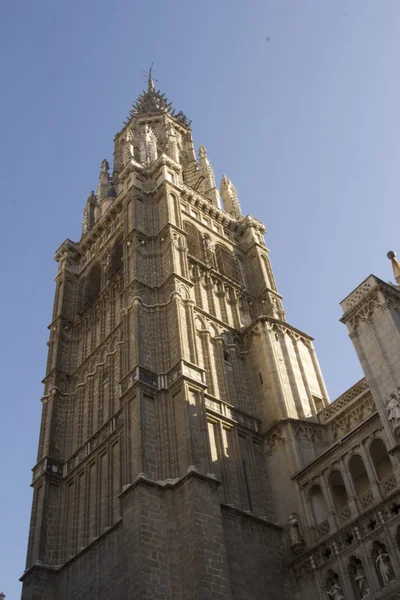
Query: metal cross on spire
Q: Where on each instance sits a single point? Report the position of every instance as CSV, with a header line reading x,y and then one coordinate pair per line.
x,y
149,76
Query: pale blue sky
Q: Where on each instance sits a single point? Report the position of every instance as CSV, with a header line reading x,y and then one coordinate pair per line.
x,y
297,101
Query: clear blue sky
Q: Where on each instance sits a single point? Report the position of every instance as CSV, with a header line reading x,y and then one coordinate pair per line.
x,y
297,101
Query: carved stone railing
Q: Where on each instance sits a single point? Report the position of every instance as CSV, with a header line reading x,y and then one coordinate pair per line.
x,y
343,515
387,485
343,402
164,380
365,500
322,529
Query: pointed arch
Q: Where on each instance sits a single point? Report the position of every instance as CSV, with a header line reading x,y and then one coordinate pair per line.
x,y
116,259
193,240
380,459
338,490
227,263
358,474
318,504
90,288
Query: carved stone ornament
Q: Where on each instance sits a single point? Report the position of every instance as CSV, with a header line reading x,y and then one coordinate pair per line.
x,y
272,440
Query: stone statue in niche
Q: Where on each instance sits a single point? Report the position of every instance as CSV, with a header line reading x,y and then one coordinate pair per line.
x,y
208,249
393,410
383,566
148,146
295,533
336,591
274,308
64,262
361,581
107,265
172,143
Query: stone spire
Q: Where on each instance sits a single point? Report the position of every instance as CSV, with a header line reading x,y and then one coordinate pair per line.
x,y
395,264
150,82
206,171
104,181
91,213
230,197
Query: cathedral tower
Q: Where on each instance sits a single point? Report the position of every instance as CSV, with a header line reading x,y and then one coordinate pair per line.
x,y
169,359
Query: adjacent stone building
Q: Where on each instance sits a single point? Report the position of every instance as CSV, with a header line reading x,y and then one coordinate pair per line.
x,y
188,449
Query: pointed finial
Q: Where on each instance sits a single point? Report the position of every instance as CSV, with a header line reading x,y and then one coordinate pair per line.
x,y
225,180
395,264
202,152
105,166
150,82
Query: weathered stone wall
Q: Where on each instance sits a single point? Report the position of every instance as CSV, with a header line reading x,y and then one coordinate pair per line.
x,y
256,558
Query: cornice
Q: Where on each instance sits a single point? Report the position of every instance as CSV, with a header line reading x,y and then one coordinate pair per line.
x,y
334,447
247,515
365,293
281,324
169,484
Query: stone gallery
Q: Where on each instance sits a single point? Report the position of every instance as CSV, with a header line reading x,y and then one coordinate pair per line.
x,y
188,449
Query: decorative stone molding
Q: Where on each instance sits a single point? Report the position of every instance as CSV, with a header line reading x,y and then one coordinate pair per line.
x,y
274,438
308,432
354,298
373,294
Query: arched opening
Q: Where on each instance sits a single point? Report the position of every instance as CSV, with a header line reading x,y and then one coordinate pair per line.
x,y
92,286
227,263
338,490
358,474
193,240
318,504
116,259
380,459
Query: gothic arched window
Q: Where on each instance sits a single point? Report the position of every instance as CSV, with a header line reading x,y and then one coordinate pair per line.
x,y
380,459
358,474
193,240
318,504
116,259
338,490
227,264
91,287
